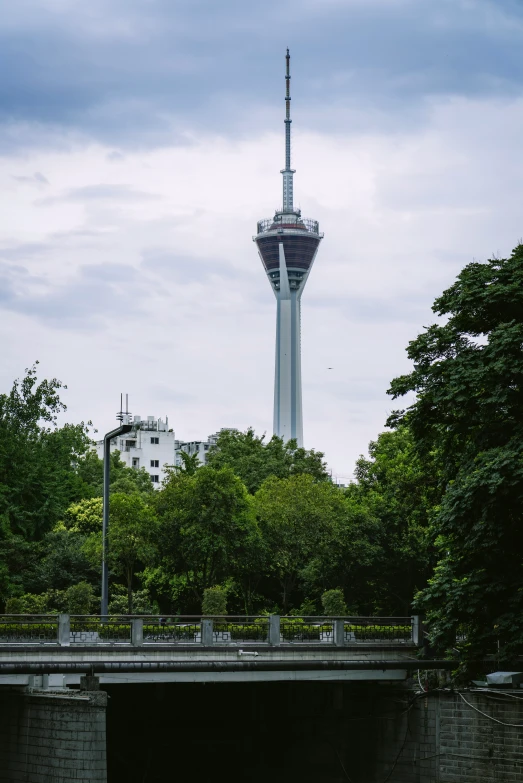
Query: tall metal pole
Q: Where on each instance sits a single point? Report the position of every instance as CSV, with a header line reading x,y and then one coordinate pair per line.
x,y
288,186
124,427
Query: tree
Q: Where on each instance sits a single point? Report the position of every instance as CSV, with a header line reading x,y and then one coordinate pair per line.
x,y
399,489
19,559
132,534
207,529
84,517
79,598
253,460
468,419
89,470
333,603
214,601
316,538
62,563
132,537
190,463
37,458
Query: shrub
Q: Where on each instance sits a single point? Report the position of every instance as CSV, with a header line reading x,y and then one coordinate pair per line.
x,y
214,601
79,598
333,603
142,601
14,606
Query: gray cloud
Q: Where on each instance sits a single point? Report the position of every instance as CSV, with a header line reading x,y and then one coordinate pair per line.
x,y
84,302
99,193
372,309
36,179
23,250
141,74
187,269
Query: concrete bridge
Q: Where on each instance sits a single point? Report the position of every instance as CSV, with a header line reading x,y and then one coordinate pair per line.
x,y
53,730
207,649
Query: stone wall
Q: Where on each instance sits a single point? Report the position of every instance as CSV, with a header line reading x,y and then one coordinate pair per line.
x,y
475,749
441,739
48,737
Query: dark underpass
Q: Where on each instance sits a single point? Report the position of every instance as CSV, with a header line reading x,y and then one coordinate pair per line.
x,y
256,732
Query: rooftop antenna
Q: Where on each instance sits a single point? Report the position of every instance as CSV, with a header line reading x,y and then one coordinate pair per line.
x,y
288,196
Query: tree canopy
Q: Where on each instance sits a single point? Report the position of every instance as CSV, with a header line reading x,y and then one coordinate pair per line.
x,y
467,420
254,460
206,526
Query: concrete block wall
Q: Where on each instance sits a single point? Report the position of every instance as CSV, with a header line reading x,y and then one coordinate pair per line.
x,y
385,736
440,739
473,748
443,740
50,737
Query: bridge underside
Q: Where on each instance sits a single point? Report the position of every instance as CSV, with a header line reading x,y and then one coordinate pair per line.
x,y
164,663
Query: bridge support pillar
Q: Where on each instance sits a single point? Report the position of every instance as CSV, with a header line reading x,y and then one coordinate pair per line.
x,y
59,737
338,627
274,629
137,632
64,630
417,632
207,632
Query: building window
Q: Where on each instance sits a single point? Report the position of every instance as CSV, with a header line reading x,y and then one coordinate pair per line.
x,y
136,462
155,479
155,440
155,463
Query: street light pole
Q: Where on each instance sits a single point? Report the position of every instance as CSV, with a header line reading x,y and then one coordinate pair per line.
x,y
124,427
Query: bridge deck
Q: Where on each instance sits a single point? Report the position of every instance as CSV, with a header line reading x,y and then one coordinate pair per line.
x,y
210,648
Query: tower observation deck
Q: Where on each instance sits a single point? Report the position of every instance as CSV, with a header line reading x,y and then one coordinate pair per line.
x,y
287,244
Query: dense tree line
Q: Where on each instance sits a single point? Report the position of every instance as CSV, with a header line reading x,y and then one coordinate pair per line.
x,y
261,520
432,522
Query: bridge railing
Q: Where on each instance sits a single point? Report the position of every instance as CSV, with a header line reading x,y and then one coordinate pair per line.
x,y
28,629
143,630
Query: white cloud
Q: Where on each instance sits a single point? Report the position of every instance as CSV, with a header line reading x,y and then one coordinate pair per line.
x,y
137,273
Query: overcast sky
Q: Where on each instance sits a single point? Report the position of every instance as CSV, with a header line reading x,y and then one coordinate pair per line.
x,y
141,140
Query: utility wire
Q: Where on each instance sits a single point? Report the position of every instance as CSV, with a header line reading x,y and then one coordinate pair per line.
x,y
490,717
493,694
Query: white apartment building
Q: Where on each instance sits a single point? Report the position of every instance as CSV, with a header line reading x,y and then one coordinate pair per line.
x,y
150,445
200,447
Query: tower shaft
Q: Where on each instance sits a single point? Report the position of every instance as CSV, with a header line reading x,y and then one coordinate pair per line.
x,y
288,418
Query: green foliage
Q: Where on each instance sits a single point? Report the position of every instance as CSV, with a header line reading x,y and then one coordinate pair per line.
x,y
207,530
254,461
79,598
132,535
468,421
84,517
141,601
14,606
28,604
89,470
190,463
62,563
316,537
333,603
214,601
37,458
401,490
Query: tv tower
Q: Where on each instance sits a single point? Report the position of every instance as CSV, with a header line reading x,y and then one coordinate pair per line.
x,y
287,244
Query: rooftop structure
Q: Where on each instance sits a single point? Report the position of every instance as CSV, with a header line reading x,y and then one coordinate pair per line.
x,y
150,445
287,244
200,447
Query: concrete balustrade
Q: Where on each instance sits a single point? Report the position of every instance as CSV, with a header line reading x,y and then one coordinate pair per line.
x,y
272,630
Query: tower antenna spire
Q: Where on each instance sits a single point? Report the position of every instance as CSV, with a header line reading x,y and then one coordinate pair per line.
x,y
288,196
